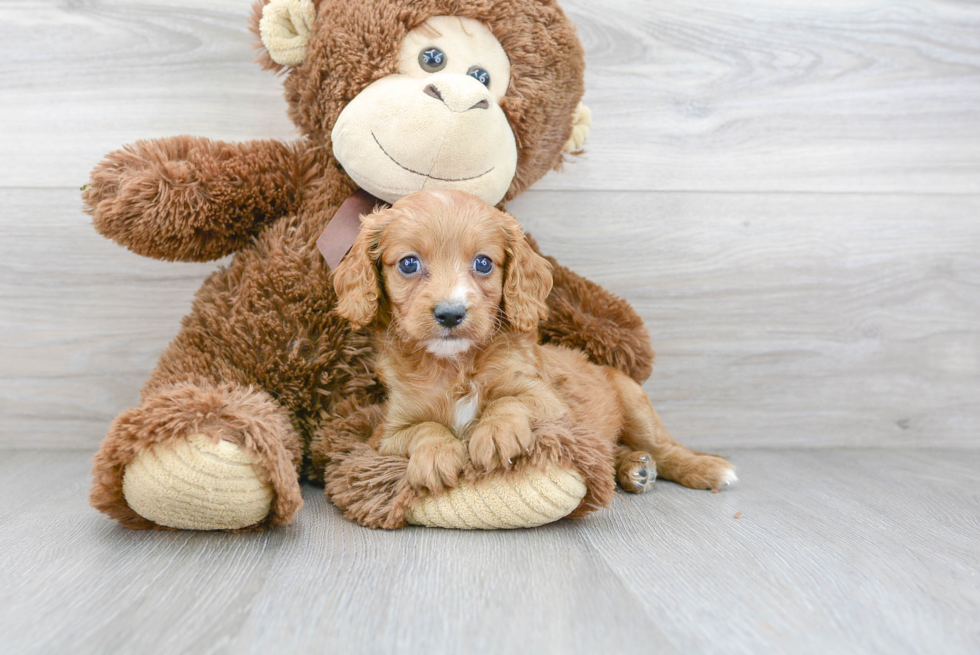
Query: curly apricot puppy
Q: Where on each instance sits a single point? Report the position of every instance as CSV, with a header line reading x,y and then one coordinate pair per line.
x,y
457,308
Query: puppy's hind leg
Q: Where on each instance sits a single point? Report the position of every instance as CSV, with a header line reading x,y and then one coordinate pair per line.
x,y
636,471
643,431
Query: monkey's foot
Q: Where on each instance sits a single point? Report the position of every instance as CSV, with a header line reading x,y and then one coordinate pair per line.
x,y
526,500
198,483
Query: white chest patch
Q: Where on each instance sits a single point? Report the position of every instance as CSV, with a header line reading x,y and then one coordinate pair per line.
x,y
464,411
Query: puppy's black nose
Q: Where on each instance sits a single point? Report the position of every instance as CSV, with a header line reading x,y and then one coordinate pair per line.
x,y
449,315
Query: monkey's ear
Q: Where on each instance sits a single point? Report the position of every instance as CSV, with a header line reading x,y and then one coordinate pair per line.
x,y
581,124
527,280
356,278
284,28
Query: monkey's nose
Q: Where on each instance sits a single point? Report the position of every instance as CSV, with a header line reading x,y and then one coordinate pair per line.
x,y
433,90
448,315
459,95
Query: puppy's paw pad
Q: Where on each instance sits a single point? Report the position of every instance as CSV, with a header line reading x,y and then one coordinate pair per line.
x,y
637,473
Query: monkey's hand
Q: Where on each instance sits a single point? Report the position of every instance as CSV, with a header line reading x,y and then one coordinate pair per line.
x,y
192,199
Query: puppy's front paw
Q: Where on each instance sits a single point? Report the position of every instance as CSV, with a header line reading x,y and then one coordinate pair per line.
x,y
498,440
436,464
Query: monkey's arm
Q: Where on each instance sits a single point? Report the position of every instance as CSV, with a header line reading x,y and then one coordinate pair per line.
x,y
188,198
585,316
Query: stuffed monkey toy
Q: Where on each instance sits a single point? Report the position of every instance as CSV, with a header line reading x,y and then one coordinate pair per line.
x,y
264,384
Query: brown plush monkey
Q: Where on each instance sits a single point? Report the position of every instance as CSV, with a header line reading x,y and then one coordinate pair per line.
x,y
391,96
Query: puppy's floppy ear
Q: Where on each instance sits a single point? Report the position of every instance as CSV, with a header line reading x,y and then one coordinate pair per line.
x,y
356,277
527,280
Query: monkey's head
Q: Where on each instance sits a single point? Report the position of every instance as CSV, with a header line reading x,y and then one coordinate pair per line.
x,y
480,96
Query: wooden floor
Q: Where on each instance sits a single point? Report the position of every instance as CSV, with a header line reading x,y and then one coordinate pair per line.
x,y
835,551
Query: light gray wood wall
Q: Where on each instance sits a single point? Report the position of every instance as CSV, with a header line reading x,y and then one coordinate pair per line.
x,y
789,193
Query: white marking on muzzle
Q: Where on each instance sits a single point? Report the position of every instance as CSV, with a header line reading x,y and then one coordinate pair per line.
x,y
460,295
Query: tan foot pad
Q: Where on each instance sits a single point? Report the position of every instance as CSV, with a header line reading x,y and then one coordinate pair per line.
x,y
197,484
537,498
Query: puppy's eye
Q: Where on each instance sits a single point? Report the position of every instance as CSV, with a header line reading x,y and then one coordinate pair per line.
x,y
409,265
479,75
432,60
482,265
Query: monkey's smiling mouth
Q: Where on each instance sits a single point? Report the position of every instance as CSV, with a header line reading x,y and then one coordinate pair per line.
x,y
431,177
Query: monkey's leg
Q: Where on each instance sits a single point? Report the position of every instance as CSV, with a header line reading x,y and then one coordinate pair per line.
x,y
373,489
200,456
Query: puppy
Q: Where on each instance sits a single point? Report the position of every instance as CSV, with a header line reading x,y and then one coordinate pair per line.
x,y
456,294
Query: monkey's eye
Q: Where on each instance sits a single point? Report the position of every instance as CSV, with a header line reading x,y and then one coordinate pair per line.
x,y
432,60
482,265
409,265
479,75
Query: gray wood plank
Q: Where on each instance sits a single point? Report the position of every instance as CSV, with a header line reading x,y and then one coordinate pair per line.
x,y
858,551
695,95
820,559
779,319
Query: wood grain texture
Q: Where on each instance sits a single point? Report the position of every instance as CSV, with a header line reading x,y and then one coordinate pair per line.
x,y
84,78
765,95
837,551
755,95
779,319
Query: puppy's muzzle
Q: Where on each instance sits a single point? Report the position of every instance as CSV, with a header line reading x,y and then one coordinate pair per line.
x,y
449,315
